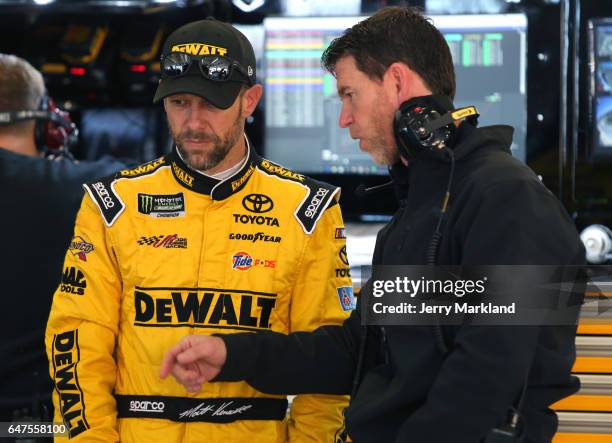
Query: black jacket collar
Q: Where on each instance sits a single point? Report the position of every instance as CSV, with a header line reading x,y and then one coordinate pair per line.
x,y
217,189
469,139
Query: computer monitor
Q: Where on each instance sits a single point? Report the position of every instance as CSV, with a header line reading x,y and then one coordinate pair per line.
x,y
600,85
302,106
255,35
138,134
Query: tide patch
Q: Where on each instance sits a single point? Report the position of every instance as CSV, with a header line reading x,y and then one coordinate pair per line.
x,y
243,261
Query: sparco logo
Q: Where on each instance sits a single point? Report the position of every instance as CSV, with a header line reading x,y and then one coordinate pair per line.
x,y
73,281
102,192
257,203
255,220
316,201
147,406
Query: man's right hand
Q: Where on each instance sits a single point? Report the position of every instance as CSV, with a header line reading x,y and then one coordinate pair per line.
x,y
195,360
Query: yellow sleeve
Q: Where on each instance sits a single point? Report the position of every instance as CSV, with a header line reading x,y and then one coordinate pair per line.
x,y
322,296
81,331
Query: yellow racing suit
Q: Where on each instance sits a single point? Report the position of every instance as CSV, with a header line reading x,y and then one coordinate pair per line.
x,y
161,251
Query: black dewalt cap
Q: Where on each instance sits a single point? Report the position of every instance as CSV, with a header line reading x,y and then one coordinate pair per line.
x,y
208,37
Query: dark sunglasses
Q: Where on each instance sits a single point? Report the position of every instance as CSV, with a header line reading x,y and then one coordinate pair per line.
x,y
212,67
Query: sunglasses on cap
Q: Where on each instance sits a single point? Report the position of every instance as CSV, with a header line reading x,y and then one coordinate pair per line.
x,y
212,67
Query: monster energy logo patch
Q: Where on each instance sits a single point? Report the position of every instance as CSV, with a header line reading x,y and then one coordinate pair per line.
x,y
165,205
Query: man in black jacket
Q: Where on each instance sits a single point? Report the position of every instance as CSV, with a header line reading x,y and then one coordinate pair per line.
x,y
40,198
421,383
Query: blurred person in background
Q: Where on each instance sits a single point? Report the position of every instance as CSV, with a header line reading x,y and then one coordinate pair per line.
x,y
41,189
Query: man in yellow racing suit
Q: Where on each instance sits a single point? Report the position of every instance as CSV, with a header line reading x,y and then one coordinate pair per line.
x,y
163,250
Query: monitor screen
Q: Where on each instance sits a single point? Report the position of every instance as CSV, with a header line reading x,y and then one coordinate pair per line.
x,y
600,43
302,106
255,35
137,134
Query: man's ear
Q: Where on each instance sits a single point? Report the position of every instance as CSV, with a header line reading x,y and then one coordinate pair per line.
x,y
250,99
404,83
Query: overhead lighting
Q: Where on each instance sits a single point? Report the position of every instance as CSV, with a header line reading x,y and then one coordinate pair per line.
x,y
43,2
248,5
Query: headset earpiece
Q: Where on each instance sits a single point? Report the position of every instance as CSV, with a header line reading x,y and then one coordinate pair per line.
x,y
426,124
58,132
54,130
41,124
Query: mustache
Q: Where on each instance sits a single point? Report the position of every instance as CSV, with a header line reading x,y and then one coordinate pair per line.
x,y
197,136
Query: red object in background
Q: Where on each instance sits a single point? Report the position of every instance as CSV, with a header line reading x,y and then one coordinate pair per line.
x,y
138,68
77,71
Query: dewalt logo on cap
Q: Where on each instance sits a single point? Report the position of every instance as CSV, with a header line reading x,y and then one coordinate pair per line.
x,y
199,49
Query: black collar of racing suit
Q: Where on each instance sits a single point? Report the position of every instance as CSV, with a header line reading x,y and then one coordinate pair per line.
x,y
217,189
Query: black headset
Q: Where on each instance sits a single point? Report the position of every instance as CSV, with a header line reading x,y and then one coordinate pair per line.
x,y
54,130
426,124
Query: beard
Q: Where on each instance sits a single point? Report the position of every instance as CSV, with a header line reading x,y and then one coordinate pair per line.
x,y
203,160
384,150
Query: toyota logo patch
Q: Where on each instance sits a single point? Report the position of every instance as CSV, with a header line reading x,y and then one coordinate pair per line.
x,y
342,255
257,203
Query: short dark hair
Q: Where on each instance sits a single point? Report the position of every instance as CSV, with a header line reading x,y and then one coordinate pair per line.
x,y
397,34
22,86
